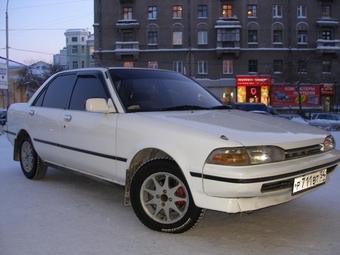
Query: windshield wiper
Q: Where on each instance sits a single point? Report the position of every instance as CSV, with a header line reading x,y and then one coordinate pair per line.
x,y
184,108
218,107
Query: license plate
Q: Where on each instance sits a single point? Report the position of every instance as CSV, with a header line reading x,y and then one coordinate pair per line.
x,y
309,181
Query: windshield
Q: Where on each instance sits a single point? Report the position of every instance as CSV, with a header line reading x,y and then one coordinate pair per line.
x,y
156,90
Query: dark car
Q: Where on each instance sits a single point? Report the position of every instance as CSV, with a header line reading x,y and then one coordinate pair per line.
x,y
3,117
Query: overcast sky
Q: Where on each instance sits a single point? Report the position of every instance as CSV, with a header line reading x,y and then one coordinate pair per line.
x,y
36,28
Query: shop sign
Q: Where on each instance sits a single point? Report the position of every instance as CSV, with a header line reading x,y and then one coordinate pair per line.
x,y
3,76
287,95
327,89
253,80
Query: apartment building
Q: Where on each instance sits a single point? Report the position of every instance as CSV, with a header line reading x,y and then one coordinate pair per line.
x,y
274,51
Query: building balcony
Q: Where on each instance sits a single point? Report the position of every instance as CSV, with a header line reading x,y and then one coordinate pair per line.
x,y
127,24
327,22
327,46
228,47
127,48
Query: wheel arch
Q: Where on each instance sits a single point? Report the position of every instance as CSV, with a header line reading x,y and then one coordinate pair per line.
x,y
140,158
16,149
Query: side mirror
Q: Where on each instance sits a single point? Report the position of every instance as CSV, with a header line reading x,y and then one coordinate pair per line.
x,y
99,105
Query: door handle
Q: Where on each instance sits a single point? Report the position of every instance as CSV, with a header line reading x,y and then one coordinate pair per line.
x,y
67,118
31,112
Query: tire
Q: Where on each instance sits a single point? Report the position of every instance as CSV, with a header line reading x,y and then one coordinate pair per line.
x,y
31,164
161,198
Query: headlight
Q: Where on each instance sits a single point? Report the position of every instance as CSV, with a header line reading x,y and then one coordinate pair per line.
x,y
246,156
329,143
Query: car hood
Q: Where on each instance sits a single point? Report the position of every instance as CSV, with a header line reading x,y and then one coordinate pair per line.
x,y
246,128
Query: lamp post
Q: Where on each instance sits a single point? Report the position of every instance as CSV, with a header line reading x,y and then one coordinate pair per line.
x,y
7,58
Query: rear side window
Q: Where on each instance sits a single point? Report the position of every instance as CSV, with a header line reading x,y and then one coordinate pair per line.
x,y
87,87
57,94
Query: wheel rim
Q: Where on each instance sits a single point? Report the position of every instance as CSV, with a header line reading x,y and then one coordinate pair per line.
x,y
164,198
27,156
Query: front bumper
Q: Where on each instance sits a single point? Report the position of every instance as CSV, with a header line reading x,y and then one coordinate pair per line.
x,y
237,189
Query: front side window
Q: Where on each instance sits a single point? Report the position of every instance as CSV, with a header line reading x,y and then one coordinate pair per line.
x,y
252,66
277,36
152,38
302,37
252,10
202,37
277,11
57,93
202,67
227,66
85,88
127,13
252,36
302,11
202,11
326,11
177,11
178,66
177,38
227,11
152,12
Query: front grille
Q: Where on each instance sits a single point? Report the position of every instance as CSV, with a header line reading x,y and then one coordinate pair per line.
x,y
303,152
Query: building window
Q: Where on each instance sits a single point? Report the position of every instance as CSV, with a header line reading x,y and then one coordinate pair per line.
x,y
202,11
74,50
302,66
82,39
127,36
177,38
277,36
326,66
128,64
326,11
153,64
178,66
302,37
252,36
127,12
252,66
227,66
327,35
82,49
177,11
252,11
277,11
152,38
202,67
228,35
152,12
302,11
202,38
82,64
74,39
277,66
227,11
74,64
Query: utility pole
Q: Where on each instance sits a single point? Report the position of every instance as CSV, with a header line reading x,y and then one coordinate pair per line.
x,y
7,59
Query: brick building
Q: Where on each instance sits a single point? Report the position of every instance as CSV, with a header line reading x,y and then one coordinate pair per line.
x,y
240,50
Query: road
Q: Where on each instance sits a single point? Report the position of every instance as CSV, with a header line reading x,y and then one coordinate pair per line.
x,y
67,213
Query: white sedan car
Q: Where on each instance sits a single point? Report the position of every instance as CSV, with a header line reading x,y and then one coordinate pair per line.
x,y
177,150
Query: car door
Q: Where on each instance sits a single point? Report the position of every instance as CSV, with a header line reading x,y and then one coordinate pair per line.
x,y
43,116
87,139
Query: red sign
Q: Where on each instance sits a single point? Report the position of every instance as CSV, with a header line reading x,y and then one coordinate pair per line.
x,y
253,80
327,89
287,95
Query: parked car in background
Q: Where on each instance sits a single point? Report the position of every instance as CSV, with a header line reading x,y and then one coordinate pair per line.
x,y
3,116
294,117
175,147
255,108
327,121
